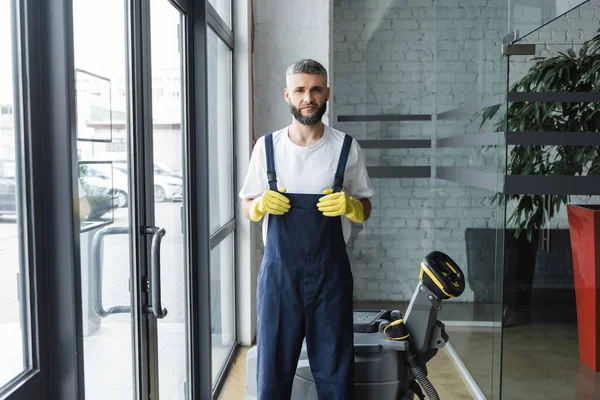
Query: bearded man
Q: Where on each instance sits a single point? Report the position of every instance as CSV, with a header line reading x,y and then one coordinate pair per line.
x,y
307,183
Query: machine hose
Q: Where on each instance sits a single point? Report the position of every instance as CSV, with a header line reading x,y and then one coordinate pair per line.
x,y
425,383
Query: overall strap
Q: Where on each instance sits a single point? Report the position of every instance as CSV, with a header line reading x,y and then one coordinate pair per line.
x,y
271,175
339,174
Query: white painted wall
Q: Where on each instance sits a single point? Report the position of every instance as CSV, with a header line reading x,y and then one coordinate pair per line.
x,y
245,238
284,32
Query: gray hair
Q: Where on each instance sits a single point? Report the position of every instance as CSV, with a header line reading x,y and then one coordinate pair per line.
x,y
307,66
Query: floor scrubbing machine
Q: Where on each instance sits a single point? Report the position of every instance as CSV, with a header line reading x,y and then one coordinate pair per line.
x,y
391,350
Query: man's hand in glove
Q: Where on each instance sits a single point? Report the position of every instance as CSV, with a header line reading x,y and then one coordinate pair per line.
x,y
336,204
270,202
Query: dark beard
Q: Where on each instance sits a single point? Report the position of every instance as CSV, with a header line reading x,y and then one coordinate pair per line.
x,y
311,119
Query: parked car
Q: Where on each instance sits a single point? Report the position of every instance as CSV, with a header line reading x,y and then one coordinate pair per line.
x,y
116,177
168,183
160,168
101,201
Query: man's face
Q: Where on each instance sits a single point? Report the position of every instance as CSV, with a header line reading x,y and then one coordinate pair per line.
x,y
307,97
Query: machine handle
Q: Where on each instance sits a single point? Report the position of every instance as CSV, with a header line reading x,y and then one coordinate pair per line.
x,y
156,306
442,276
97,271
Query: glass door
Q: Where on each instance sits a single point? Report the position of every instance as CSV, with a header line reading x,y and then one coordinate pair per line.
x,y
168,126
103,133
553,192
15,306
131,131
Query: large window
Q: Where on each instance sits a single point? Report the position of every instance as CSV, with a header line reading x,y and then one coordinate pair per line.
x,y
15,315
102,127
221,184
220,132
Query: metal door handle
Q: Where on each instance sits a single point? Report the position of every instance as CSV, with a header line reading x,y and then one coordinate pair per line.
x,y
156,306
97,271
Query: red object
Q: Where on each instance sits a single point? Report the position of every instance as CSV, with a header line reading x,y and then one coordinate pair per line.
x,y
584,228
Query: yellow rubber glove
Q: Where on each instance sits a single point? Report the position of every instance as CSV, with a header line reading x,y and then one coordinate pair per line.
x,y
336,204
270,202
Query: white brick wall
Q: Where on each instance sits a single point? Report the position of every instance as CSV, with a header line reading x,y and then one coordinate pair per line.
x,y
404,57
383,251
397,74
412,57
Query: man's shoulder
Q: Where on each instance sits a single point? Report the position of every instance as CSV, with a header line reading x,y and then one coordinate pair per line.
x,y
279,134
336,134
259,144
339,136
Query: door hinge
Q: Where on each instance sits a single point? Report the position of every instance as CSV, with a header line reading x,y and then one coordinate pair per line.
x,y
511,37
510,47
518,49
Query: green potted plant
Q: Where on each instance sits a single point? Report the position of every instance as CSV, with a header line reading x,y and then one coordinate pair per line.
x,y
568,71
565,72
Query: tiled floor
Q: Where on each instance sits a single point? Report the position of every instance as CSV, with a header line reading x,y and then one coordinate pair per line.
x,y
108,360
442,373
539,361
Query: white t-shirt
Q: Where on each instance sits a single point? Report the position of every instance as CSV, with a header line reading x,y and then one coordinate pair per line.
x,y
307,170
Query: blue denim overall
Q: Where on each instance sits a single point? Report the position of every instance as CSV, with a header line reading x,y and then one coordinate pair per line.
x,y
305,289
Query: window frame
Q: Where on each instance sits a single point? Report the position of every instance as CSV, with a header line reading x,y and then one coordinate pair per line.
x,y
47,96
45,118
223,32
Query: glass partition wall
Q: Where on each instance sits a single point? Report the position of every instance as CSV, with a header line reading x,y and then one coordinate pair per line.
x,y
553,161
469,169
411,80
480,149
383,97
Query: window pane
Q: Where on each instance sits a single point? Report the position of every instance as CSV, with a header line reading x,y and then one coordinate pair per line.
x,y
166,28
14,282
220,131
223,7
222,302
102,133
